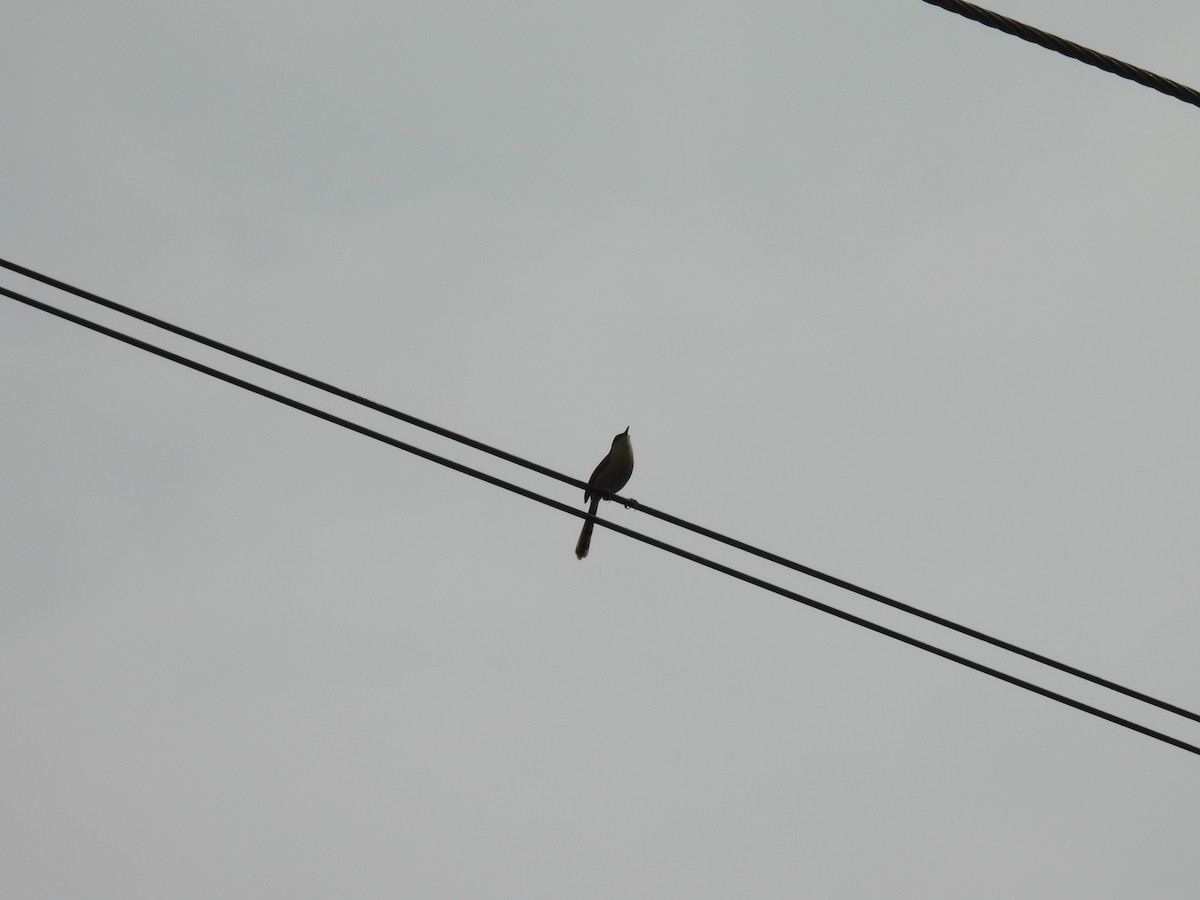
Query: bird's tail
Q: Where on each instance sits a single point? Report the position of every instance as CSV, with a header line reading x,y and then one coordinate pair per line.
x,y
585,536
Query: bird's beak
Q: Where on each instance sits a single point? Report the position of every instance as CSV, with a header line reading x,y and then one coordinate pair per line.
x,y
626,429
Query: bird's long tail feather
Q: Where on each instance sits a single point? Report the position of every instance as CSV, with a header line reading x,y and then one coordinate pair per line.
x,y
585,536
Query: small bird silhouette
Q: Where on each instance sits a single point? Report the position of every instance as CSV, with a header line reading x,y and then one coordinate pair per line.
x,y
611,475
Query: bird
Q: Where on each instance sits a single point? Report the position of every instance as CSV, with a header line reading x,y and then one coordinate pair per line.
x,y
611,475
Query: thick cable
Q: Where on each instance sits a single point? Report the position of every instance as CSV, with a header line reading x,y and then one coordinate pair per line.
x,y
562,507
1070,48
648,510
285,371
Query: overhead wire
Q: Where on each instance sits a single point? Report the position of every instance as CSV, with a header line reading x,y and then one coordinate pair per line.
x,y
909,609
1076,51
628,532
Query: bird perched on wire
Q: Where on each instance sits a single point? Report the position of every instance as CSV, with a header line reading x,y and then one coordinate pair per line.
x,y
611,475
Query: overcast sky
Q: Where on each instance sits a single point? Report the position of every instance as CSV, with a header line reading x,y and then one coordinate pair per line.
x,y
873,286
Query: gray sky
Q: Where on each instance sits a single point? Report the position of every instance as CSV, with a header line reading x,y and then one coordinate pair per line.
x,y
874,286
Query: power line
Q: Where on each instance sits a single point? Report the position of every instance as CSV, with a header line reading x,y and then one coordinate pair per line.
x,y
284,370
648,510
654,542
1070,48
